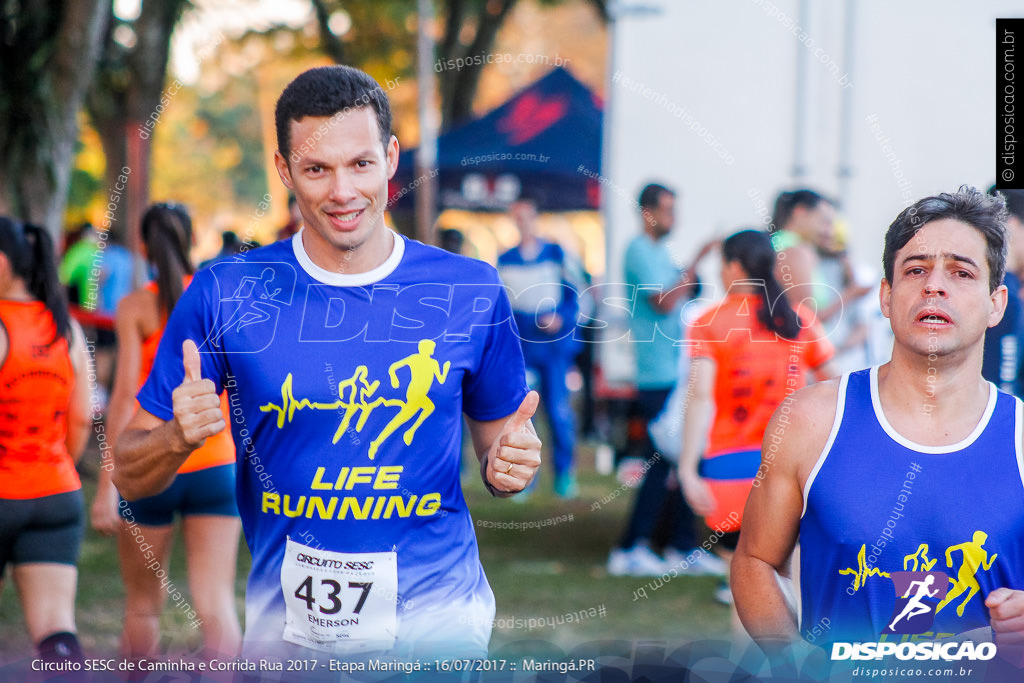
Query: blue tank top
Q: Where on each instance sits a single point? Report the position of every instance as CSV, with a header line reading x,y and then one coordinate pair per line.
x,y
877,503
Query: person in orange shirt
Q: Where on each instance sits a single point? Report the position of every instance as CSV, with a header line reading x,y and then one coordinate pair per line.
x,y
44,428
203,491
749,353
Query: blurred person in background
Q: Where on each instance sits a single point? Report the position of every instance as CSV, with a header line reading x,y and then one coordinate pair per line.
x,y
76,265
751,351
451,240
120,269
1004,343
545,305
804,220
202,494
849,324
44,428
655,328
229,246
294,223
82,270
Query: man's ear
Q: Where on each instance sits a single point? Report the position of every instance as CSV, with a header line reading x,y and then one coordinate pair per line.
x,y
392,153
283,171
884,293
998,297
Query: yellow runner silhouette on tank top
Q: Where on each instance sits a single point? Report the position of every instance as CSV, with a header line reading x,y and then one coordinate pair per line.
x,y
974,558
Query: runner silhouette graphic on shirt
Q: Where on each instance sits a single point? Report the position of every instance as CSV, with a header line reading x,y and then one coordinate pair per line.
x,y
360,389
916,606
423,370
974,557
253,304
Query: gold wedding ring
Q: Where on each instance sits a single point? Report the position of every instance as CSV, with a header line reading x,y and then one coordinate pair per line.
x,y
509,468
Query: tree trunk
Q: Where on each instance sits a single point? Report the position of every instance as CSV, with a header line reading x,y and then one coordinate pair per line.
x,y
128,91
35,169
458,86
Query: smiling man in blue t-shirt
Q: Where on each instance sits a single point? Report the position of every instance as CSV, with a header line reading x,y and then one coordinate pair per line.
x,y
349,354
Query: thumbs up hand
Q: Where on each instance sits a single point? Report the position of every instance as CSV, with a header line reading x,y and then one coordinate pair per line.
x,y
515,455
197,413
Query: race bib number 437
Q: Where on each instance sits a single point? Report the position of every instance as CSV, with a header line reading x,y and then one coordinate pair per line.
x,y
339,602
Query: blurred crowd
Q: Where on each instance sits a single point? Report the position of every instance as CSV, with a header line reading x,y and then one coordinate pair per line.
x,y
709,372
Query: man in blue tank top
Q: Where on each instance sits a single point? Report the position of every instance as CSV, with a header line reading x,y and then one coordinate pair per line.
x,y
903,483
349,354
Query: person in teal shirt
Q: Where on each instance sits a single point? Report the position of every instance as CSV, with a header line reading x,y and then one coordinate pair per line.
x,y
659,290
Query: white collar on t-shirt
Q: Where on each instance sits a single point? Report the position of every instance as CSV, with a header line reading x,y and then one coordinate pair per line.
x,y
348,279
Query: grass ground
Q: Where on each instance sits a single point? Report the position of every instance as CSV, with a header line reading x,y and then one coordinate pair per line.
x,y
545,559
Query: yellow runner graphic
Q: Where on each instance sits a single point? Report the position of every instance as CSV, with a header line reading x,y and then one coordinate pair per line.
x,y
974,557
920,559
423,371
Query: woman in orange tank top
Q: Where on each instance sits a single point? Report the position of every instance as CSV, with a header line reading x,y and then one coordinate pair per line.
x,y
203,491
44,428
748,353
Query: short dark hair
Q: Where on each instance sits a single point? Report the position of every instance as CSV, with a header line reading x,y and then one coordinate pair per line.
x,y
451,240
1014,201
650,196
985,213
327,91
787,202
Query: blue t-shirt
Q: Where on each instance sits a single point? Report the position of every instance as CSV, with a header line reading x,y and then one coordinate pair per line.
x,y
346,393
539,286
650,269
119,267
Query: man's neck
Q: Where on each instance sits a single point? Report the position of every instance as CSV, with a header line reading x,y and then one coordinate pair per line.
x,y
653,234
362,259
948,392
794,231
529,246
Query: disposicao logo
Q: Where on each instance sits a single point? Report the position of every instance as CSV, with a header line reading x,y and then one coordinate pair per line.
x,y
917,596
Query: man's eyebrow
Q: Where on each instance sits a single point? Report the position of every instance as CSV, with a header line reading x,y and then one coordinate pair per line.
x,y
947,255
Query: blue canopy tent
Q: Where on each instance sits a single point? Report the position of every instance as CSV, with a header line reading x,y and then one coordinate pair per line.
x,y
544,142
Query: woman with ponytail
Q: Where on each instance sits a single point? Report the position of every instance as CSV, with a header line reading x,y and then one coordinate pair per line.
x,y
748,353
203,491
44,428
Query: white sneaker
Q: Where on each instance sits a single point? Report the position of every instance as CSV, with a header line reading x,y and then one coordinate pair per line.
x,y
637,561
618,562
645,562
696,562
